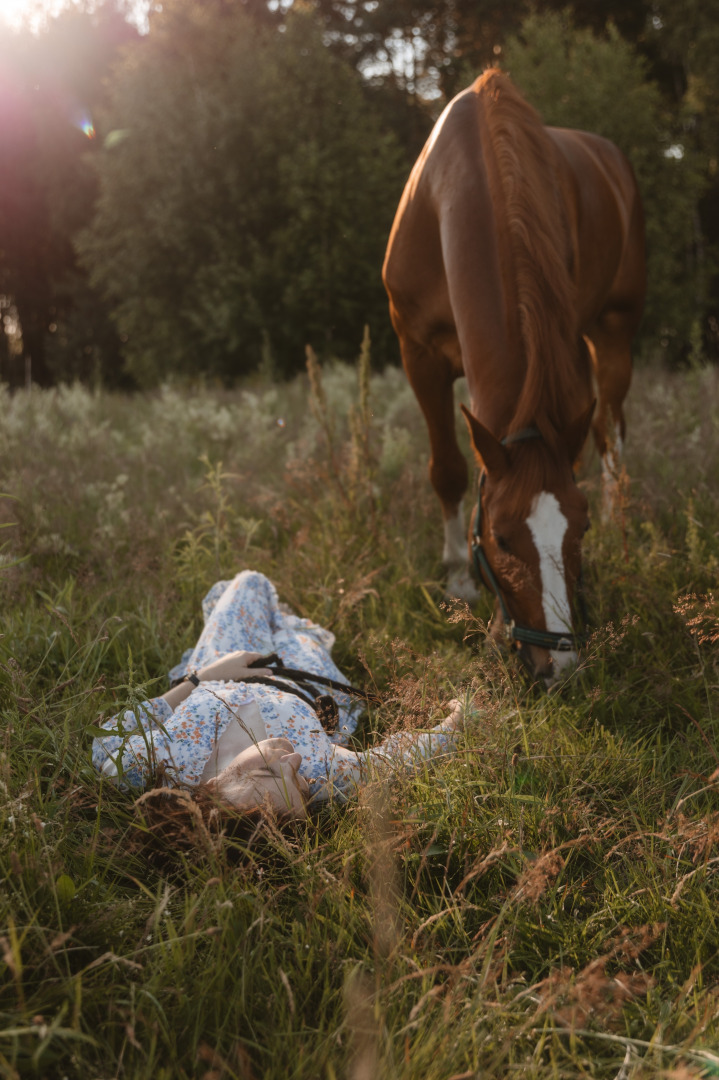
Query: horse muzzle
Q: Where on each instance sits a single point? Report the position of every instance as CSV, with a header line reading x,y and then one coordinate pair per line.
x,y
548,664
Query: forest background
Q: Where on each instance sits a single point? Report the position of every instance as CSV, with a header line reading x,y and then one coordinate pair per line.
x,y
208,197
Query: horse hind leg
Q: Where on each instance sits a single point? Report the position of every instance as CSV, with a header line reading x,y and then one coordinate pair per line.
x,y
610,352
432,379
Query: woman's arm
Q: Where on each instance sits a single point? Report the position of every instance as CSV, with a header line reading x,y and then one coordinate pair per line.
x,y
235,667
411,747
347,769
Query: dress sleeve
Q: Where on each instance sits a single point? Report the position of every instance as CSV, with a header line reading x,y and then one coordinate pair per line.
x,y
149,716
408,749
346,770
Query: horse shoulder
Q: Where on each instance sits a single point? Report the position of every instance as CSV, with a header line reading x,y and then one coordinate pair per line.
x,y
435,214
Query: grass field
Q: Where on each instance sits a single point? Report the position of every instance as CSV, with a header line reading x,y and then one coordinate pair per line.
x,y
544,904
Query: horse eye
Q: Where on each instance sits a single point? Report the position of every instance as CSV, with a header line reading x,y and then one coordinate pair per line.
x,y
501,543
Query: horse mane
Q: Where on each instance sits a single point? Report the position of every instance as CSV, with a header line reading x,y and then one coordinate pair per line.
x,y
540,249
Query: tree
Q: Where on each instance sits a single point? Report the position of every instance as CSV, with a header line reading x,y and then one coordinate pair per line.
x,y
575,78
420,47
428,47
49,85
246,195
684,36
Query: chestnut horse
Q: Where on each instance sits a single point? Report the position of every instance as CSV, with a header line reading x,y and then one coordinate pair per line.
x,y
516,259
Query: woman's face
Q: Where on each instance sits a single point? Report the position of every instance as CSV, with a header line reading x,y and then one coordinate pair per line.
x,y
266,773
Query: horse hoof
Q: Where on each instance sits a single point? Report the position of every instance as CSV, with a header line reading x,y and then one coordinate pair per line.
x,y
460,586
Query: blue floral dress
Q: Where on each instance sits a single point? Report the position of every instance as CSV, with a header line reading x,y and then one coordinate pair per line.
x,y
245,614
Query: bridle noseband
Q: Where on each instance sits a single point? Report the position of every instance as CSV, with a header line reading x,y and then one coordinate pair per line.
x,y
517,634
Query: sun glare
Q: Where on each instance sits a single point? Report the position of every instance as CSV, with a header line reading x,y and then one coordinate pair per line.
x,y
34,13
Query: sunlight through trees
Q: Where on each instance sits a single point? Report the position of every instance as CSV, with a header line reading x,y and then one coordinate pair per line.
x,y
234,202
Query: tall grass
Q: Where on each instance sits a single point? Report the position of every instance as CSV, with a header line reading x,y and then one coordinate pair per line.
x,y
543,903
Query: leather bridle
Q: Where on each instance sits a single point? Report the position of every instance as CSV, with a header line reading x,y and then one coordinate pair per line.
x,y
515,632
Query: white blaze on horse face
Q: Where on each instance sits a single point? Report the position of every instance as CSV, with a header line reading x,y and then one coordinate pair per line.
x,y
548,526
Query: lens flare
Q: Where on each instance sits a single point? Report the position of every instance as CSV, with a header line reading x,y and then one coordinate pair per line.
x,y
85,124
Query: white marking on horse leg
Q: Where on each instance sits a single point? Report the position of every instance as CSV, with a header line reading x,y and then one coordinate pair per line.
x,y
548,525
455,539
460,585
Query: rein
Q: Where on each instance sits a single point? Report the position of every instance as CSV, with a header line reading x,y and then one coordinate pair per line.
x,y
517,634
303,684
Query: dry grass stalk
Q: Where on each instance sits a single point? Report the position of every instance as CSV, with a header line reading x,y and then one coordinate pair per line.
x,y
574,997
383,880
360,466
362,1026
323,416
701,616
538,876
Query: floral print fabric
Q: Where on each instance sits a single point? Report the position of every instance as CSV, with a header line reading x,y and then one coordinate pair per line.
x,y
245,614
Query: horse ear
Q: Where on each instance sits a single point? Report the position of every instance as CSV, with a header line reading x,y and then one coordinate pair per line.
x,y
489,451
575,434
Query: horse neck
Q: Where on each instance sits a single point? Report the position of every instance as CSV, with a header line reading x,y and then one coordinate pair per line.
x,y
535,257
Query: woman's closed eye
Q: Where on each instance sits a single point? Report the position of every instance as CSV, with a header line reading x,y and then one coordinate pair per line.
x,y
274,774
267,772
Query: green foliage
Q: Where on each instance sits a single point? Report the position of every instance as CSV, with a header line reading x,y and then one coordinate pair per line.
x,y
50,85
685,33
577,79
6,563
249,165
426,47
246,194
685,38
542,903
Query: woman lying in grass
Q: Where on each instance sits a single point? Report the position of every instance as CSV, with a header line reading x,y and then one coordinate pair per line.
x,y
253,744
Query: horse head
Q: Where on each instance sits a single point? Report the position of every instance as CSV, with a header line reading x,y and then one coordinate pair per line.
x,y
527,537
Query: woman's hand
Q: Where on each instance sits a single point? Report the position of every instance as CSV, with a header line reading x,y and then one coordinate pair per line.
x,y
235,667
454,720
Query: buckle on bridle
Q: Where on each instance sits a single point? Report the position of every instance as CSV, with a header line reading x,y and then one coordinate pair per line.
x,y
563,645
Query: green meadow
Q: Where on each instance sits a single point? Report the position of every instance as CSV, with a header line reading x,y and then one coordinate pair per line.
x,y
544,903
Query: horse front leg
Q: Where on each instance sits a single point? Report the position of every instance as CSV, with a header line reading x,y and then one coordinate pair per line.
x,y
445,477
432,379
